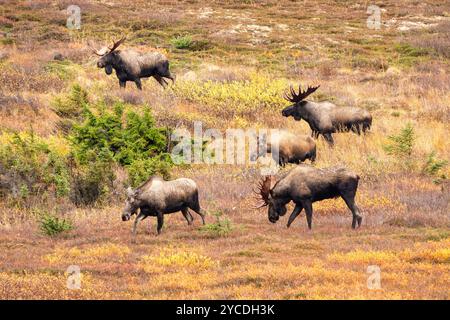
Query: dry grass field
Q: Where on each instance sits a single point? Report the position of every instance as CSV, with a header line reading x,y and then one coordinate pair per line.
x,y
233,61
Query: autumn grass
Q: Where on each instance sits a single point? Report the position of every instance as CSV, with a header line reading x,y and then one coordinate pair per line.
x,y
233,62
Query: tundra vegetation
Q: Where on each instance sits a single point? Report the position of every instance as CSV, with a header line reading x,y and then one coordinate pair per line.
x,y
71,141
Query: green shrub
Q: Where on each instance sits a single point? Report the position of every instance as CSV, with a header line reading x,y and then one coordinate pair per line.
x,y
51,225
182,42
434,165
136,138
139,170
135,143
221,228
72,105
401,145
32,166
92,181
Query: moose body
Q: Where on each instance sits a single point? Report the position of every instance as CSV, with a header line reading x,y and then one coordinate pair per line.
x,y
305,185
132,66
291,148
157,197
326,118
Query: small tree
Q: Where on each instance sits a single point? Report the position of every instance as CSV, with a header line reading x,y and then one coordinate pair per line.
x,y
401,145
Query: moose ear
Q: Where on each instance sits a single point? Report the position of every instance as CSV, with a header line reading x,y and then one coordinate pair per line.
x,y
130,192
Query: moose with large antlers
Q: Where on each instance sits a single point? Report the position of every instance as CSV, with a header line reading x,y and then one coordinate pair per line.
x,y
132,66
304,185
326,118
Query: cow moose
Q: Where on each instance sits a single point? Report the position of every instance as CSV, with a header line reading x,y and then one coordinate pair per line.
x,y
325,118
157,197
305,185
132,66
292,148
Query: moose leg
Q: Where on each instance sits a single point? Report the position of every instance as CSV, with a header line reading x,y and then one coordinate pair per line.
x,y
122,84
187,215
329,138
138,83
298,208
201,213
309,211
139,218
160,217
161,81
350,202
166,74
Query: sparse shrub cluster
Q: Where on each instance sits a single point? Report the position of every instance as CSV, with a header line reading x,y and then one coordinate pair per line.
x,y
221,228
401,146
51,225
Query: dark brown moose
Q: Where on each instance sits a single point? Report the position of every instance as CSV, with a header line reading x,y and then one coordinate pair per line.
x,y
305,185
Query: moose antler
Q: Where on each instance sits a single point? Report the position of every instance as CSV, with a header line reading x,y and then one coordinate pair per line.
x,y
100,52
294,97
263,192
116,44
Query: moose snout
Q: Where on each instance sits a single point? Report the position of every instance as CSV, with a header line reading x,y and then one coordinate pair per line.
x,y
125,217
273,220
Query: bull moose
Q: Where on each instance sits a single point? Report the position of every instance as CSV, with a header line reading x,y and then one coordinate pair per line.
x,y
304,185
157,197
325,118
132,66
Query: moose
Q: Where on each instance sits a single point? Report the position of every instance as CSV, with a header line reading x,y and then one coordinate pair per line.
x,y
132,66
291,148
305,185
325,118
157,197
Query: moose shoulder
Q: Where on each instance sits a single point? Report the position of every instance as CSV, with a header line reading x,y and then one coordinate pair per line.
x,y
157,197
132,66
326,118
305,185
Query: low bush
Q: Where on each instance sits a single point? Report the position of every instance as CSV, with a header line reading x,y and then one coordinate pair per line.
x,y
221,228
30,166
51,225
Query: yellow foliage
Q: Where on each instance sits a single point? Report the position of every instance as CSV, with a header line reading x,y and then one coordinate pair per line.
x,y
177,258
88,255
257,94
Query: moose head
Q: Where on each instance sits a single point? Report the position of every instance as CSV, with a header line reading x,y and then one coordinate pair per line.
x,y
276,206
108,56
131,204
299,101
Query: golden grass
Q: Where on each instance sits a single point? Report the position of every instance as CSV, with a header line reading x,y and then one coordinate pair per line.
x,y
237,81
